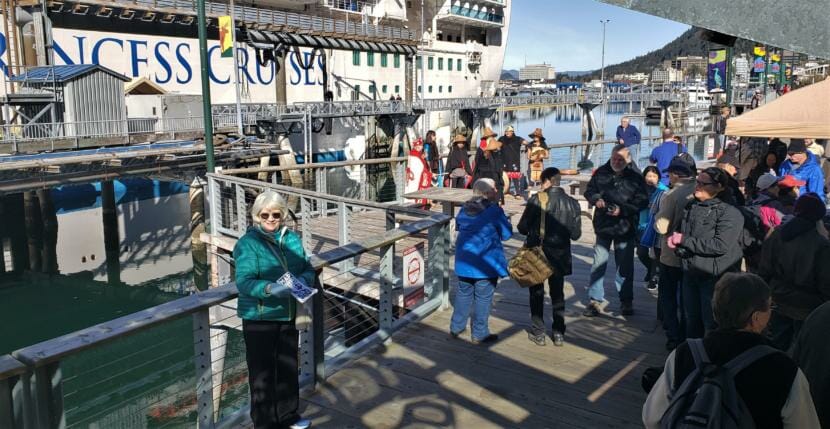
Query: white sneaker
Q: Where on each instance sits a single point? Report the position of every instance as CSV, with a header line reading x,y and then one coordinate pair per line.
x,y
301,424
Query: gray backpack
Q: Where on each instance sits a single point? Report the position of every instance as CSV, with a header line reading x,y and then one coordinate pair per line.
x,y
707,398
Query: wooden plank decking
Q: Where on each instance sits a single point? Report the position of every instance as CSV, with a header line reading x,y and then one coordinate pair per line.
x,y
423,378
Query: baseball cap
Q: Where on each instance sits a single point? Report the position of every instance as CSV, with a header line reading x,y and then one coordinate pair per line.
x,y
767,180
789,181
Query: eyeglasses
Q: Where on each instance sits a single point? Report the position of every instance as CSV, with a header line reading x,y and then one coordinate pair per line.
x,y
702,183
266,216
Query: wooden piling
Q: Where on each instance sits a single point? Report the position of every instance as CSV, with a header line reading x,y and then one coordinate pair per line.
x,y
198,249
49,250
34,230
111,239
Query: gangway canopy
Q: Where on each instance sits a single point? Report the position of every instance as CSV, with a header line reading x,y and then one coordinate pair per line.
x,y
269,40
799,26
143,86
802,113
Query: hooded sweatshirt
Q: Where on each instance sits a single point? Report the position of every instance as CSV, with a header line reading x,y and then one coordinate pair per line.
x,y
482,226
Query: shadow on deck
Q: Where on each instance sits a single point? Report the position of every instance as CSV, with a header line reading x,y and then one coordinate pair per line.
x,y
425,378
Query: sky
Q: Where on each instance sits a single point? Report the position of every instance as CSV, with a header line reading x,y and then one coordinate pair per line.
x,y
568,35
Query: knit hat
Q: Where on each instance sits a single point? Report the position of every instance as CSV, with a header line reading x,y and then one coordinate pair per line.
x,y
681,167
766,180
797,146
509,128
789,181
810,207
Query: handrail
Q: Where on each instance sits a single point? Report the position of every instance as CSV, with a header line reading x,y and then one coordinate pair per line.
x,y
311,166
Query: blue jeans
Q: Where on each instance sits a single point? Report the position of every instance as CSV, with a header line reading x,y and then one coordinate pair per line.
x,y
697,304
669,299
473,295
623,258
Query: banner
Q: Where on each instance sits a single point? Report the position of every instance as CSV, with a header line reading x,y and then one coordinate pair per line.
x,y
775,63
225,36
716,70
759,63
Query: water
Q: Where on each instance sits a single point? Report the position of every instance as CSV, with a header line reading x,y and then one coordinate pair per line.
x,y
563,125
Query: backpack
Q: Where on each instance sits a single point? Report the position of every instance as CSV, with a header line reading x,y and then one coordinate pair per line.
x,y
754,232
707,398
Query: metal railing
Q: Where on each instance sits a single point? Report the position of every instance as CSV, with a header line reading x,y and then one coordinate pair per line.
x,y
140,370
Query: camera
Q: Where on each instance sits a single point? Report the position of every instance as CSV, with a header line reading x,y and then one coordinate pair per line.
x,y
611,208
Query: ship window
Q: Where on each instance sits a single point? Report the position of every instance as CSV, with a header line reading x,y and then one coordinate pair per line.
x,y
384,61
459,65
420,88
356,58
397,59
370,59
372,89
430,61
356,93
384,88
397,89
419,62
449,64
430,89
440,64
440,88
154,110
449,89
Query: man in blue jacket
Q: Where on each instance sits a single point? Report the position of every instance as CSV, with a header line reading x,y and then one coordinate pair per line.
x,y
628,135
803,165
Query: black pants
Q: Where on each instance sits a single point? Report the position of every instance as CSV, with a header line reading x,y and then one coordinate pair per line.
x,y
271,353
650,264
669,298
556,285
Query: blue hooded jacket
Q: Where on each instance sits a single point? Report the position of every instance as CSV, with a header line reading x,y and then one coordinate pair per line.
x,y
479,254
809,172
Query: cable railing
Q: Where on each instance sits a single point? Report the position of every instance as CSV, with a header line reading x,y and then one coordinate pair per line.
x,y
182,363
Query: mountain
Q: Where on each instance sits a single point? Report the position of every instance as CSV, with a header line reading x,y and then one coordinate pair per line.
x,y
509,74
687,44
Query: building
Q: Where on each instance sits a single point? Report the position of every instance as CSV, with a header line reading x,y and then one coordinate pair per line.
x,y
662,75
690,66
633,77
537,72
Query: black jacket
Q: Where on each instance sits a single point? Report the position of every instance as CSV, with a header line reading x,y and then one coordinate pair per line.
x,y
738,198
710,243
458,158
627,191
489,167
810,351
795,262
562,224
763,386
511,152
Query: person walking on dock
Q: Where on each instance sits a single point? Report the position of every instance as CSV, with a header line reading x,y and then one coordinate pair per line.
x,y
662,155
629,136
561,215
512,157
618,193
266,252
668,219
804,165
458,164
479,260
709,246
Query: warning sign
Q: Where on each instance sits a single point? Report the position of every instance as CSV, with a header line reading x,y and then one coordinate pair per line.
x,y
413,267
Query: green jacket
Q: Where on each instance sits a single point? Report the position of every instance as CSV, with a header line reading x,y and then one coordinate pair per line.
x,y
257,266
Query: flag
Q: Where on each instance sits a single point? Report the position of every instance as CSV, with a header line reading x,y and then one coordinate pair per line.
x,y
225,36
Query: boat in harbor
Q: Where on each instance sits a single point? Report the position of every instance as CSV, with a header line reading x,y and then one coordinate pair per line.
x,y
450,49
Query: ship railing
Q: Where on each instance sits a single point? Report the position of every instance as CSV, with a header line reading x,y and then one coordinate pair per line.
x,y
182,363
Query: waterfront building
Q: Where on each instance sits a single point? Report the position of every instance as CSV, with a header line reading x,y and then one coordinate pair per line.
x,y
537,72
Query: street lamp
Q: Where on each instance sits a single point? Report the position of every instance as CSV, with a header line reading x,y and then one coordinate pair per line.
x,y
602,73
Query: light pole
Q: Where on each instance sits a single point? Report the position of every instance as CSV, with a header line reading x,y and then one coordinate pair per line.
x,y
602,72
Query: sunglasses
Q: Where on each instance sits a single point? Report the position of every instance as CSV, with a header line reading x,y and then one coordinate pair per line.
x,y
266,216
702,183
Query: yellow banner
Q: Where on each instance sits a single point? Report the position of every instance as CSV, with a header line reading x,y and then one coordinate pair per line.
x,y
760,51
225,36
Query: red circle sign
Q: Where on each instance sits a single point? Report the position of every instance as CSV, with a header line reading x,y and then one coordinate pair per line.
x,y
414,271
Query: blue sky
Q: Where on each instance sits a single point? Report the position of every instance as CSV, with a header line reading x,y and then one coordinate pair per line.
x,y
568,35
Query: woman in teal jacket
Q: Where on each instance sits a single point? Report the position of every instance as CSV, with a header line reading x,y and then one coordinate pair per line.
x,y
266,251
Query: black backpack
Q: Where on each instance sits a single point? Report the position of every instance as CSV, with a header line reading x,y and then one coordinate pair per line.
x,y
754,233
707,398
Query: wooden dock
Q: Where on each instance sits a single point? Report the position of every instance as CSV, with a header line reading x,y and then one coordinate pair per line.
x,y
424,378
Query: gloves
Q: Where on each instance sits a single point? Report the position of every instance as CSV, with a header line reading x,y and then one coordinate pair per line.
x,y
277,290
675,240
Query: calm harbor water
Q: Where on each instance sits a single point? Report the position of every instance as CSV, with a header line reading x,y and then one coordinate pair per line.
x,y
155,266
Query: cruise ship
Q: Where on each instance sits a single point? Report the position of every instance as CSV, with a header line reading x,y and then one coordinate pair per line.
x,y
336,50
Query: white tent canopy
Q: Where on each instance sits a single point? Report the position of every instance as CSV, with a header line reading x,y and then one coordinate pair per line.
x,y
803,113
